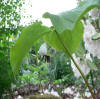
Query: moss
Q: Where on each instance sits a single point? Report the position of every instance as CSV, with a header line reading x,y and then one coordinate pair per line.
x,y
45,96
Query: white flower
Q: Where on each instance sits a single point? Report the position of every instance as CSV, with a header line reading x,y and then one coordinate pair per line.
x,y
68,90
16,93
52,92
43,49
92,46
4,1
77,96
13,86
94,14
83,66
87,94
88,57
26,72
19,97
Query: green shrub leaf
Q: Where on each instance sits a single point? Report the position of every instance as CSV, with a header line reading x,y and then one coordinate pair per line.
x,y
71,39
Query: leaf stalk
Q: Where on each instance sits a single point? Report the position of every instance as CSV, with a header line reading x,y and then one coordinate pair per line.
x,y
82,74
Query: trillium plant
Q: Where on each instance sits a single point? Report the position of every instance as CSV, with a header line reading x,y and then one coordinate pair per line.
x,y
65,34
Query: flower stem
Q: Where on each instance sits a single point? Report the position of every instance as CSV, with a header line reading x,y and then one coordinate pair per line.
x,y
82,74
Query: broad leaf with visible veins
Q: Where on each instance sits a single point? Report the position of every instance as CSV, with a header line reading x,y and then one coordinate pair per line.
x,y
71,39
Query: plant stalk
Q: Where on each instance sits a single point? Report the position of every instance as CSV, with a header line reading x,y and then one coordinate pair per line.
x,y
82,74
93,86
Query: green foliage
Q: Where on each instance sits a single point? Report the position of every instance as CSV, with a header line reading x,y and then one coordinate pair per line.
x,y
81,51
10,17
33,73
6,76
69,38
96,75
91,65
26,40
37,45
96,36
81,3
39,74
60,69
9,20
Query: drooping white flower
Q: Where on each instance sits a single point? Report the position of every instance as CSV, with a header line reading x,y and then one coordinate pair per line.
x,y
83,66
92,46
43,49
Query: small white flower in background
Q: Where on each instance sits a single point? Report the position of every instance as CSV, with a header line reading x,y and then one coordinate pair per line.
x,y
92,46
16,93
46,91
87,94
26,72
52,92
77,96
13,86
55,93
19,97
43,49
68,91
85,69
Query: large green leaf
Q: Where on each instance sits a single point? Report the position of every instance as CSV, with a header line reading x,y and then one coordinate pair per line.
x,y
69,27
68,20
26,40
71,39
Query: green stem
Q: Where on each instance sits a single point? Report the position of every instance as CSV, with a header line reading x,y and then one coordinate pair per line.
x,y
82,74
93,86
